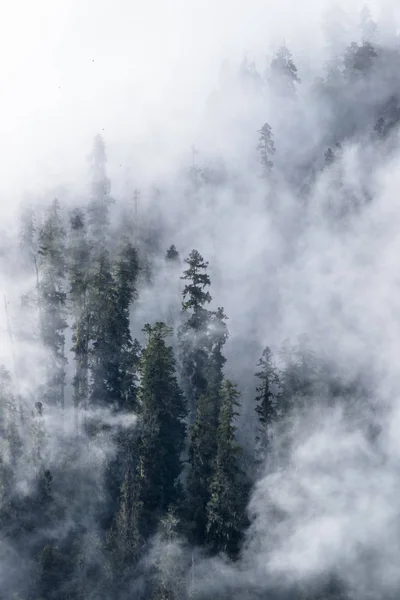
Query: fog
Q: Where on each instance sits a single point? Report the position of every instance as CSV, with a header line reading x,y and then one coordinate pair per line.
x,y
154,79
140,73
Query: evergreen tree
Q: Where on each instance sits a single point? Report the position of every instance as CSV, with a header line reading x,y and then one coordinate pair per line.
x,y
299,375
202,339
52,302
125,539
195,345
162,428
204,432
169,560
113,355
78,268
268,390
359,60
226,506
100,201
266,148
267,399
11,448
283,72
172,254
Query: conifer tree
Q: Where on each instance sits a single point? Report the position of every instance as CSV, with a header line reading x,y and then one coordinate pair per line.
x,y
52,302
195,343
162,428
172,254
78,268
113,354
266,148
226,506
359,60
283,72
100,201
11,448
125,539
267,399
203,335
204,432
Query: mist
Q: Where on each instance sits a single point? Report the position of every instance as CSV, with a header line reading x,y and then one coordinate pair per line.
x,y
302,255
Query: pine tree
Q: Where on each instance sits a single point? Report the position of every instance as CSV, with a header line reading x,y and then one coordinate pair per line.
x,y
266,148
52,302
78,268
100,201
113,355
172,254
283,72
204,432
195,344
299,376
202,339
168,558
267,399
226,507
125,539
162,428
11,448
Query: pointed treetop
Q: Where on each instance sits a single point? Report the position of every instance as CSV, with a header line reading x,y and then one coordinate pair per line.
x,y
198,280
157,331
284,71
172,254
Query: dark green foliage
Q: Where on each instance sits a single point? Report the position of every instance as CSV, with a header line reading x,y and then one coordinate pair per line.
x,y
194,294
202,452
162,427
195,342
228,498
125,538
268,390
98,208
112,354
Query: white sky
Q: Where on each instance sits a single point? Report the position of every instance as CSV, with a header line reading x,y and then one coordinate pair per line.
x,y
134,70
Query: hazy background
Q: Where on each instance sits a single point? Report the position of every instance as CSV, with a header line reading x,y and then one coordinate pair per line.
x,y
139,72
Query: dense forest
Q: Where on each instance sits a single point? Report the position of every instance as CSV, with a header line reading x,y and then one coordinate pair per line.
x,y
152,447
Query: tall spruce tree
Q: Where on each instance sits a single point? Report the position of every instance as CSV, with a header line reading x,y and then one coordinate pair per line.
x,y
100,200
226,506
52,302
193,335
267,399
78,269
204,431
266,148
162,427
113,354
282,73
